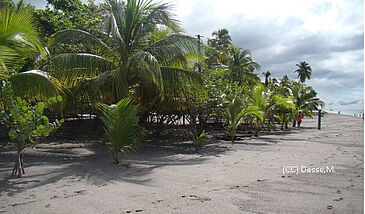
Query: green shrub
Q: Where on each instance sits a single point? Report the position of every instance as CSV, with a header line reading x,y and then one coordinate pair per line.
x,y
121,126
25,121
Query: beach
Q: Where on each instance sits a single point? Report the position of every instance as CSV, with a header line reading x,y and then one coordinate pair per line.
x,y
306,171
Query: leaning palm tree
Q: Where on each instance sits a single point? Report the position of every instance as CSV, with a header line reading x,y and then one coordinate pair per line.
x,y
304,71
135,60
121,126
19,43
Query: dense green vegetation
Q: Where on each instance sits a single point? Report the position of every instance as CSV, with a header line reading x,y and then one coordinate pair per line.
x,y
133,53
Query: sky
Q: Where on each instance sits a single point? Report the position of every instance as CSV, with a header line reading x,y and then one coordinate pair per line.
x,y
327,34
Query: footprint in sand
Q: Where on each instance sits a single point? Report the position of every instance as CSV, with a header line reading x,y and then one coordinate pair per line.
x,y
200,198
54,197
83,191
338,199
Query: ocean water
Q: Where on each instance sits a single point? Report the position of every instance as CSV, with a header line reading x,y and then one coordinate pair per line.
x,y
352,112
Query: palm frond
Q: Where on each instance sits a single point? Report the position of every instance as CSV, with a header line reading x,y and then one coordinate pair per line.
x,y
173,47
254,111
16,22
18,35
72,67
35,85
145,62
112,29
74,35
177,80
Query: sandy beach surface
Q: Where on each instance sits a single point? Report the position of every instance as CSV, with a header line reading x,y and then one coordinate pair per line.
x,y
279,172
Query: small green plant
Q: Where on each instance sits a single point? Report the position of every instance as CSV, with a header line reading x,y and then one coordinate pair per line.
x,y
121,127
234,116
198,142
25,121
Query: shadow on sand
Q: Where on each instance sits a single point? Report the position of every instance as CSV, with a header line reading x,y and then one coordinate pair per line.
x,y
47,166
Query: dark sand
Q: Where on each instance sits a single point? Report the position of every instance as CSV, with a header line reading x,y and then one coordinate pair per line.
x,y
245,177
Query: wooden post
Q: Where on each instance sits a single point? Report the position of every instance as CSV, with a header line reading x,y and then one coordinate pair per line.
x,y
319,119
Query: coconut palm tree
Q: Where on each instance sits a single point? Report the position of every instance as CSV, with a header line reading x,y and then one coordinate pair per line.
x,y
304,71
234,116
305,100
121,127
218,48
136,61
282,109
222,39
259,103
240,64
267,75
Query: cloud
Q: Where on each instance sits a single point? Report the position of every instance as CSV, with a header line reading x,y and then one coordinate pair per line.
x,y
345,103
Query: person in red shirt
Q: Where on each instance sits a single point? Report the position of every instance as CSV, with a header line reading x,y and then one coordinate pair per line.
x,y
299,119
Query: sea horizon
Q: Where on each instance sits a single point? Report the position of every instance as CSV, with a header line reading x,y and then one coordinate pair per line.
x,y
351,112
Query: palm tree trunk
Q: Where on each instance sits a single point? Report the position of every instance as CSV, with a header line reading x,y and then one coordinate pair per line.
x,y
257,126
116,157
233,135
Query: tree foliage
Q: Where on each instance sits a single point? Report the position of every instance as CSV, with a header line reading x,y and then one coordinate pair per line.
x,y
304,71
121,127
138,60
70,14
26,121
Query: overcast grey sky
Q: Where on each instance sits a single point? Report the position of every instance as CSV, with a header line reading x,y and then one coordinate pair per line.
x,y
328,34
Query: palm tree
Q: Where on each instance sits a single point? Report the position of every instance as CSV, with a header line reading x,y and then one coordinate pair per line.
x,y
267,75
222,39
234,116
282,108
218,48
121,127
304,71
240,64
136,61
259,103
305,100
